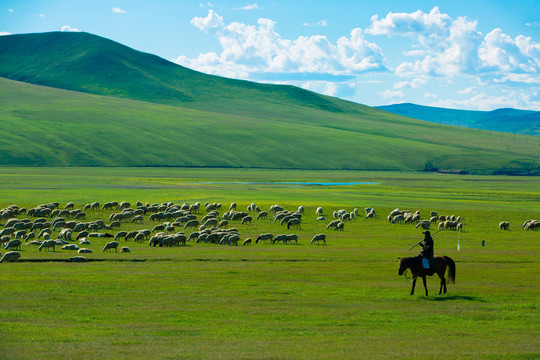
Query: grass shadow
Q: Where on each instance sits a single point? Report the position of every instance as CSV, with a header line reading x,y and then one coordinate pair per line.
x,y
454,297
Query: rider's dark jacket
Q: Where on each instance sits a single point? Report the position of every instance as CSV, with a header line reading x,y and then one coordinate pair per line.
x,y
427,250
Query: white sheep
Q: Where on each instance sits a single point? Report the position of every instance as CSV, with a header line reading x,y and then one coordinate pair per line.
x,y
10,256
47,244
70,247
318,238
111,245
125,249
84,251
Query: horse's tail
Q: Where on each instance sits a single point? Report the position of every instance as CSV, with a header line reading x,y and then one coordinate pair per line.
x,y
451,269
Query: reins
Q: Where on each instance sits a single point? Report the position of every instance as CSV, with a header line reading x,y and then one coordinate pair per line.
x,y
407,278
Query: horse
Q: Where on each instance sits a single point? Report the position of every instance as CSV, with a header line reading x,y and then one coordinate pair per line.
x,y
441,263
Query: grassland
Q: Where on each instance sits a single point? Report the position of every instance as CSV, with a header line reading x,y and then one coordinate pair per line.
x,y
340,301
147,111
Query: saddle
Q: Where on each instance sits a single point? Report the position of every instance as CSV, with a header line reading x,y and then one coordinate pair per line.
x,y
428,265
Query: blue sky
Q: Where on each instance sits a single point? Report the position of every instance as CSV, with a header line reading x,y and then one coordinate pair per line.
x,y
473,54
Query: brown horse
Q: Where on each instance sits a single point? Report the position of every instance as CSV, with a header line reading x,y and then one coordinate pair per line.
x,y
441,263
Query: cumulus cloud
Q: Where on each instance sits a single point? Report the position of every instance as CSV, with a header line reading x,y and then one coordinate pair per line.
x,y
451,47
69,28
2,33
118,10
467,91
430,95
259,48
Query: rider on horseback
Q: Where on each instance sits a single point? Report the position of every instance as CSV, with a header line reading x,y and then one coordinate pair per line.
x,y
427,251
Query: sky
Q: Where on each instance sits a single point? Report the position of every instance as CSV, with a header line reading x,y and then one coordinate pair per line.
x,y
473,55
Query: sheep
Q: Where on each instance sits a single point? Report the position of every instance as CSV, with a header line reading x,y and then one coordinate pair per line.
x,y
138,218
459,226
370,215
69,206
13,244
398,219
332,224
77,259
264,237
294,222
233,206
80,215
321,218
223,224
4,239
111,245
319,211
193,235
47,244
531,225
433,213
441,225
191,223
340,226
318,238
278,238
291,238
70,247
504,225
120,234
424,224
246,219
262,215
125,249
10,256
84,241
247,242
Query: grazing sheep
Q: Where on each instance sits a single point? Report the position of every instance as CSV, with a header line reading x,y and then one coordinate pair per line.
x,y
332,224
504,225
138,218
278,238
424,224
264,237
291,238
84,241
459,226
340,226
441,225
77,259
319,211
370,215
10,256
223,224
69,206
47,244
433,213
70,247
321,218
294,222
120,234
233,206
262,215
191,223
111,245
246,219
125,249
318,238
13,244
81,215
194,236
247,242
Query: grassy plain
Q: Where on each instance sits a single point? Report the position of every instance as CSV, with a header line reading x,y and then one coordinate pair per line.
x,y
339,301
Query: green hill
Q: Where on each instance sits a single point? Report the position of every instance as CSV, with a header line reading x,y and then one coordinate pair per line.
x,y
161,114
507,120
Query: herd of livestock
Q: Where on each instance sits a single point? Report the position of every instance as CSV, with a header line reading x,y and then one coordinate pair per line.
x,y
212,227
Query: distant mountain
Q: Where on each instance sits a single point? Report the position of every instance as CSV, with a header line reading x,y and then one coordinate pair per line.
x,y
506,120
76,99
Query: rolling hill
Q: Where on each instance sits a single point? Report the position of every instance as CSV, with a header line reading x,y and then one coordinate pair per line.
x,y
76,99
507,120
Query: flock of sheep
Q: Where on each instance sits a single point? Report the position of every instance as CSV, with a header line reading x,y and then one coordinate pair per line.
x,y
173,221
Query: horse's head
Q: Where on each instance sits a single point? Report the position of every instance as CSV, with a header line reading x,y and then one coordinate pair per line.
x,y
403,265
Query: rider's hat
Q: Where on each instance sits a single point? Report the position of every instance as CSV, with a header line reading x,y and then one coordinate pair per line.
x,y
426,232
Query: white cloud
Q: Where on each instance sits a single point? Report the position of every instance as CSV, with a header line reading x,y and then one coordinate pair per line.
x,y
452,47
260,48
253,6
321,23
391,94
467,91
212,20
414,83
533,24
484,102
118,10
69,28
2,33
11,10
41,16
430,95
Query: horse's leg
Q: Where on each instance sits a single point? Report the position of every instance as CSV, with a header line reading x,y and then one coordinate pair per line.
x,y
443,283
425,284
413,285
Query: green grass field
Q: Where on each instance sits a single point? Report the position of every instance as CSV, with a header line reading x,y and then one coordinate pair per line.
x,y
340,301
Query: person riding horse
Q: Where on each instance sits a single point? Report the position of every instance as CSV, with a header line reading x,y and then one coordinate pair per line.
x,y
427,251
